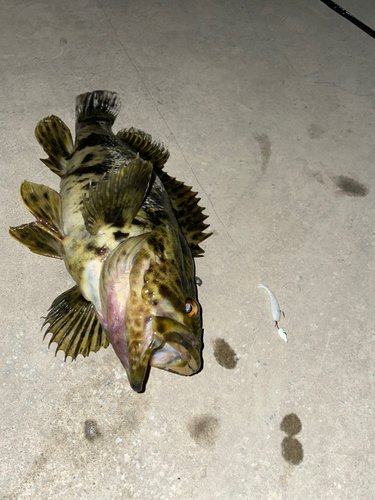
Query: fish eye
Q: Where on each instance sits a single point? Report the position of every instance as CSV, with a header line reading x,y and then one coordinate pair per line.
x,y
191,308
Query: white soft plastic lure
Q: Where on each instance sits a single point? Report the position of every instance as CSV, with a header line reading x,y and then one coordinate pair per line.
x,y
276,312
282,334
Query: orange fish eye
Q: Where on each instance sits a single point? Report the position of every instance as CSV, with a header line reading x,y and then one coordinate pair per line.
x,y
191,308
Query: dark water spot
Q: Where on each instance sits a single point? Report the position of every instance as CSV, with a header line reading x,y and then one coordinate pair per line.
x,y
224,354
265,149
204,430
315,131
291,448
91,430
319,177
291,424
198,281
350,186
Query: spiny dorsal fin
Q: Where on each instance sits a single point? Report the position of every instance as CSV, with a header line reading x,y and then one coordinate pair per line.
x,y
45,204
74,325
117,198
187,211
56,140
98,105
37,239
142,143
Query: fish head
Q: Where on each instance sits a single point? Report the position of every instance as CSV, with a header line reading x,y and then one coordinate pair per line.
x,y
149,307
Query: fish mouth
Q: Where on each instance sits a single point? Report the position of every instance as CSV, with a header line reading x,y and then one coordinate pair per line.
x,y
176,348
167,345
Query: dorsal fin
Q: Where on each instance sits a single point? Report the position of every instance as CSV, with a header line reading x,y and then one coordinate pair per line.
x,y
98,105
187,211
143,144
74,325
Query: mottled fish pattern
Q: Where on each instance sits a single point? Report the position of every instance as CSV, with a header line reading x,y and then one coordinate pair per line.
x,y
127,233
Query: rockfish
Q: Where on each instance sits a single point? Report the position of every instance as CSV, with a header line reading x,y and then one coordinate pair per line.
x,y
127,233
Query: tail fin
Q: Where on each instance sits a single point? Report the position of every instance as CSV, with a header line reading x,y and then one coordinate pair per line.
x,y
99,105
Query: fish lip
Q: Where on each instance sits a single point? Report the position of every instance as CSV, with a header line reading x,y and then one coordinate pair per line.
x,y
137,384
169,330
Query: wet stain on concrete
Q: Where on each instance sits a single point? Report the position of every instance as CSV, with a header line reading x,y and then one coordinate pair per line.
x,y
350,186
204,429
319,177
315,131
265,149
224,354
291,425
37,469
291,448
91,430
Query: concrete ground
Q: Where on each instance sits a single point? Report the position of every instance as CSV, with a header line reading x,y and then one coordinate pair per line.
x,y
267,108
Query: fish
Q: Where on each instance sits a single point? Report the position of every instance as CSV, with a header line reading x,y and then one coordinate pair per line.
x,y
128,234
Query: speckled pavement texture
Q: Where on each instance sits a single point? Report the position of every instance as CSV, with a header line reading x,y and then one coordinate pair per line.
x,y
267,109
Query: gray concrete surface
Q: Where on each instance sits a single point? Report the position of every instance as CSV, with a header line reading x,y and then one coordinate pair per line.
x,y
268,111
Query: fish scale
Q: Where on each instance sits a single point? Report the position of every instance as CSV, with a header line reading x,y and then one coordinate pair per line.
x,y
127,233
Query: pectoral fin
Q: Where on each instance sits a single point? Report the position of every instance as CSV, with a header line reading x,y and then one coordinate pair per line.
x,y
117,198
74,325
56,140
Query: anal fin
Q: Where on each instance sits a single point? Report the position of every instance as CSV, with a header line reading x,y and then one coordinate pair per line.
x,y
116,198
56,140
74,325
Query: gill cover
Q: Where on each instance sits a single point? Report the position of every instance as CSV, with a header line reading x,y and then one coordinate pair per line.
x,y
114,296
